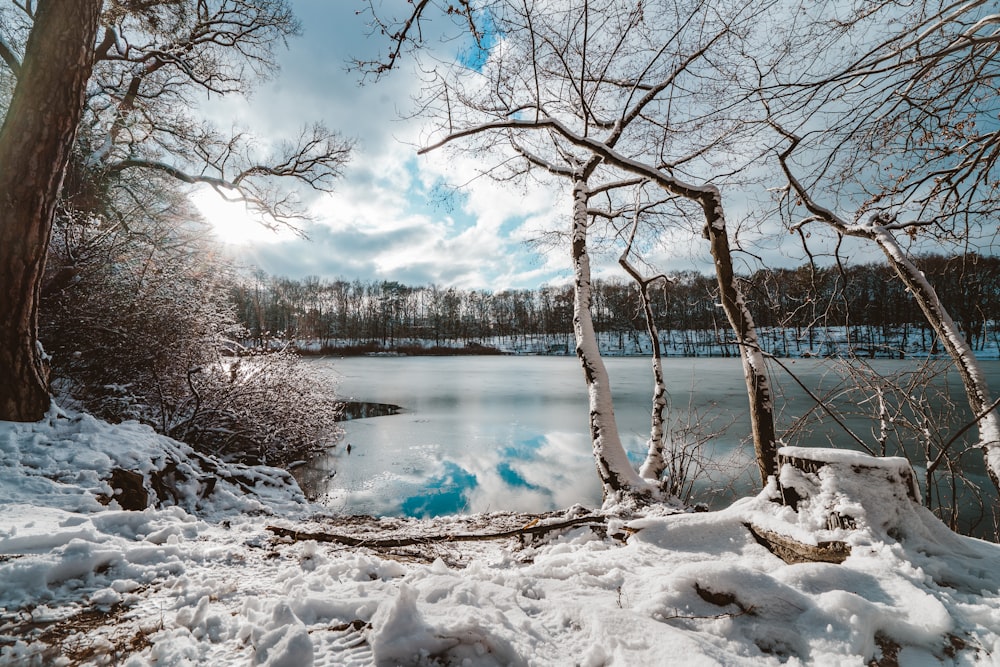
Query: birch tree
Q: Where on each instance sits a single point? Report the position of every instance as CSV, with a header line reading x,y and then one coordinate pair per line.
x,y
605,95
918,168
656,462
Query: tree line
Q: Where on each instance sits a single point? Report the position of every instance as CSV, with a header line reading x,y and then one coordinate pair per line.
x,y
343,315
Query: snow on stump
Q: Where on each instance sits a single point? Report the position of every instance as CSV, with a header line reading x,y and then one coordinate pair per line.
x,y
828,494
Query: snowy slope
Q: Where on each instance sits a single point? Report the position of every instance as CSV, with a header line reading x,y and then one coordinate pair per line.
x,y
199,580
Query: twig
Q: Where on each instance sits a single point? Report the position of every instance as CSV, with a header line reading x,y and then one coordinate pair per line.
x,y
958,434
714,617
820,402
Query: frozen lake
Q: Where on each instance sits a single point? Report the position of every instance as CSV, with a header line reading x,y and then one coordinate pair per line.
x,y
510,433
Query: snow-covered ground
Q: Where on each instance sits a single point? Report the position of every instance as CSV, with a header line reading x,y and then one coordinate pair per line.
x,y
198,579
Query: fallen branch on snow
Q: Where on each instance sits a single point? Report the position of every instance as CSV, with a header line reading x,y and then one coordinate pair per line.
x,y
391,542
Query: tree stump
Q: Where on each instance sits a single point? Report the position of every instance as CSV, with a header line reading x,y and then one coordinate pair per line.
x,y
818,483
893,471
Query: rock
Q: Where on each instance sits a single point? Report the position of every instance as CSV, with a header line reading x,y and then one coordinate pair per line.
x,y
129,489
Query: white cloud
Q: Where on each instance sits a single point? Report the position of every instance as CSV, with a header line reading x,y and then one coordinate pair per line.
x,y
383,221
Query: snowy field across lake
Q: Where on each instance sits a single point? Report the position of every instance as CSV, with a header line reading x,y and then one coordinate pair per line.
x,y
509,433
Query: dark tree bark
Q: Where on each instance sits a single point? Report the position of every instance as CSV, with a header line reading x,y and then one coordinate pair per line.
x,y
35,145
765,441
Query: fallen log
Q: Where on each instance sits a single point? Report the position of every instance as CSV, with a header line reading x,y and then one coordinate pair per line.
x,y
792,551
532,529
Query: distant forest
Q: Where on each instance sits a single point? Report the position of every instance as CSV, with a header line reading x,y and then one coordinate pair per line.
x,y
866,300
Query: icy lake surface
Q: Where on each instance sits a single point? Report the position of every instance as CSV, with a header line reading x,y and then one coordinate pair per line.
x,y
510,433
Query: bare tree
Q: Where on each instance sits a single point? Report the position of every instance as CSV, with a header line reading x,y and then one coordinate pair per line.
x,y
153,60
880,231
656,462
602,95
915,165
407,32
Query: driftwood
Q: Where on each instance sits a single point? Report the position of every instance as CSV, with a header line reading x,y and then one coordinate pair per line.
x,y
392,542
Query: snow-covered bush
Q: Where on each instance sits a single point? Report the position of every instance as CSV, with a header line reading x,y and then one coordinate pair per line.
x,y
264,407
136,322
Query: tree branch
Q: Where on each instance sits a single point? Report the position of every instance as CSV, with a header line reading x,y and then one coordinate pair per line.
x,y
385,543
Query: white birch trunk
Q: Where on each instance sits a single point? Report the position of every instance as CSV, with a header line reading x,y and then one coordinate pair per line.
x,y
973,380
655,464
618,477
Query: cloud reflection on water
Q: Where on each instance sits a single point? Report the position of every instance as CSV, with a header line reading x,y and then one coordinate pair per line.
x,y
540,473
492,433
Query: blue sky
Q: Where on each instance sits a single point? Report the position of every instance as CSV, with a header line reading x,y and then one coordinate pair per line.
x,y
393,215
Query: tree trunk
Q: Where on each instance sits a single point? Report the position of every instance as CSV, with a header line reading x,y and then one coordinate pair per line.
x,y
977,389
758,386
655,464
618,478
35,145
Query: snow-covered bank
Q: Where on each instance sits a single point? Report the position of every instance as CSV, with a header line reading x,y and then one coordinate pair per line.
x,y
199,580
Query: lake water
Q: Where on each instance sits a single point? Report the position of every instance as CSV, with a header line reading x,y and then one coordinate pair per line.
x,y
510,433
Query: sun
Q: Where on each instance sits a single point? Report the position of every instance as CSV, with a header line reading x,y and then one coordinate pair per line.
x,y
231,222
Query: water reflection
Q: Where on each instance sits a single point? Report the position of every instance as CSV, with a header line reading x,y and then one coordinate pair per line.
x,y
538,473
444,495
480,434
510,433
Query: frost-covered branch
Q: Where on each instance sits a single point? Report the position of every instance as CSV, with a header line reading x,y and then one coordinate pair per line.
x,y
407,31
10,58
314,161
973,379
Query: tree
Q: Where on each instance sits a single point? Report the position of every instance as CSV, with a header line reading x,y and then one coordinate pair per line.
x,y
915,164
656,462
36,141
602,94
153,60
881,231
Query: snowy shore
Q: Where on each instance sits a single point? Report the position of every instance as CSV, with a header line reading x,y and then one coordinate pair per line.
x,y
899,343
198,579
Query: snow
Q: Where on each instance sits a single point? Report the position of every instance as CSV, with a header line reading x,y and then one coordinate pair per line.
x,y
197,578
844,456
